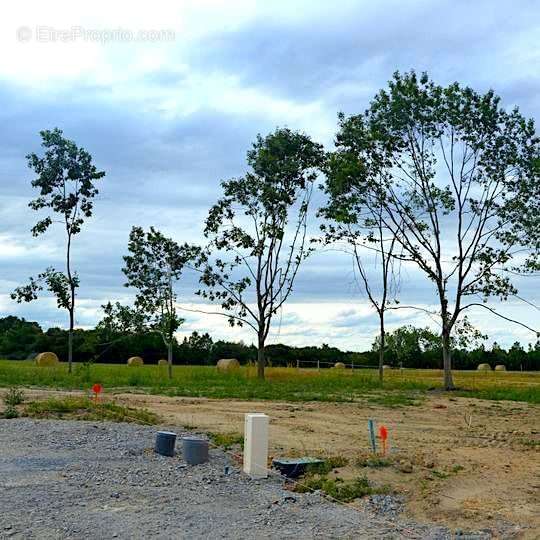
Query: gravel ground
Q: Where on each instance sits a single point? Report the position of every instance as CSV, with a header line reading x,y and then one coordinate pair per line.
x,y
65,479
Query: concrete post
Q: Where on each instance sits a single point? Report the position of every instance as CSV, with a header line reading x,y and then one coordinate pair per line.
x,y
256,445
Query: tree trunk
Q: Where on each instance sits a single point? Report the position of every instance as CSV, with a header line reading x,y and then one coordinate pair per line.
x,y
70,340
169,358
72,306
260,359
447,360
382,339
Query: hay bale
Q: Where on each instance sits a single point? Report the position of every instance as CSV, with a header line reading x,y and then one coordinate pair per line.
x,y
483,367
162,362
135,361
47,359
386,366
339,365
500,367
228,364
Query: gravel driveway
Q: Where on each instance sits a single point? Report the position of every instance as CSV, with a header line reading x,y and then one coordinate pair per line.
x,y
65,479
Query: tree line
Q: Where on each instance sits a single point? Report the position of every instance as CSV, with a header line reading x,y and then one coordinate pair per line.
x,y
406,347
439,179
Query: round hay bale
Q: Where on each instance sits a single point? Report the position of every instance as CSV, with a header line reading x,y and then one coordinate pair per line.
x,y
228,364
47,359
135,361
483,367
162,362
500,367
339,365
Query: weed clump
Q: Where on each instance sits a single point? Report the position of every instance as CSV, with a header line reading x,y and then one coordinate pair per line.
x,y
13,397
86,409
375,462
10,412
227,440
338,489
330,463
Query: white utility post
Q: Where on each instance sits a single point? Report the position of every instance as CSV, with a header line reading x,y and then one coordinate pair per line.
x,y
256,445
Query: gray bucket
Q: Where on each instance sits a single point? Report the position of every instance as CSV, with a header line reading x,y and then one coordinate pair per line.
x,y
165,441
195,450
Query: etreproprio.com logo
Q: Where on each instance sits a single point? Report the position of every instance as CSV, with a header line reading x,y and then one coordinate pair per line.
x,y
50,34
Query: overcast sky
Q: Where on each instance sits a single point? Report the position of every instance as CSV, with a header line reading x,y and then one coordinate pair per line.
x,y
168,96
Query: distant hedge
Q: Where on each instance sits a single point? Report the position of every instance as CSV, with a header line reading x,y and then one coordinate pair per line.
x,y
21,339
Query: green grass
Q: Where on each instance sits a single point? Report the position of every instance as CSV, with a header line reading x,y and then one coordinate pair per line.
x,y
375,462
85,409
13,397
227,440
529,394
401,388
329,464
395,400
341,490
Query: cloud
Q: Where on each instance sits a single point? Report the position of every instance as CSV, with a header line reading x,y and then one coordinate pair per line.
x,y
168,121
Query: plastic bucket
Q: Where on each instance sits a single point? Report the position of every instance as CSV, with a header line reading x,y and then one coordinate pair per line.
x,y
195,450
165,441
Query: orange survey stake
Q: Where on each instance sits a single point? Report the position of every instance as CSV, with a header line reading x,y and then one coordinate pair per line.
x,y
97,388
383,435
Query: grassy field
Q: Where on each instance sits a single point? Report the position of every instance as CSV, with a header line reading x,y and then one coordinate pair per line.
x,y
289,384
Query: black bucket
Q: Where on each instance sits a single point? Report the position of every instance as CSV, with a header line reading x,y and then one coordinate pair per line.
x,y
165,441
195,450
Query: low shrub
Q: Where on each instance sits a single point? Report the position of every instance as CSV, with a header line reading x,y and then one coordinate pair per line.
x,y
341,490
14,396
10,412
375,462
330,463
86,409
227,440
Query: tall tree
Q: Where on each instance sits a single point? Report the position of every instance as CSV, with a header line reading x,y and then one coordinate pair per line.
x,y
155,263
258,232
66,180
357,220
461,189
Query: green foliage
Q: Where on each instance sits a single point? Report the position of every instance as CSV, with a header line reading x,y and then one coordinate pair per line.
x,y
457,183
394,399
155,262
344,491
83,371
86,409
19,339
406,345
152,267
14,396
329,464
282,384
374,462
227,440
65,179
257,232
10,412
52,280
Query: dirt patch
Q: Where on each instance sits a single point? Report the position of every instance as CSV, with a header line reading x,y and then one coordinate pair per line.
x,y
462,462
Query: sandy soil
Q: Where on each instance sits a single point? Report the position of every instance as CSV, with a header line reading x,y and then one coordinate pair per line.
x,y
486,474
